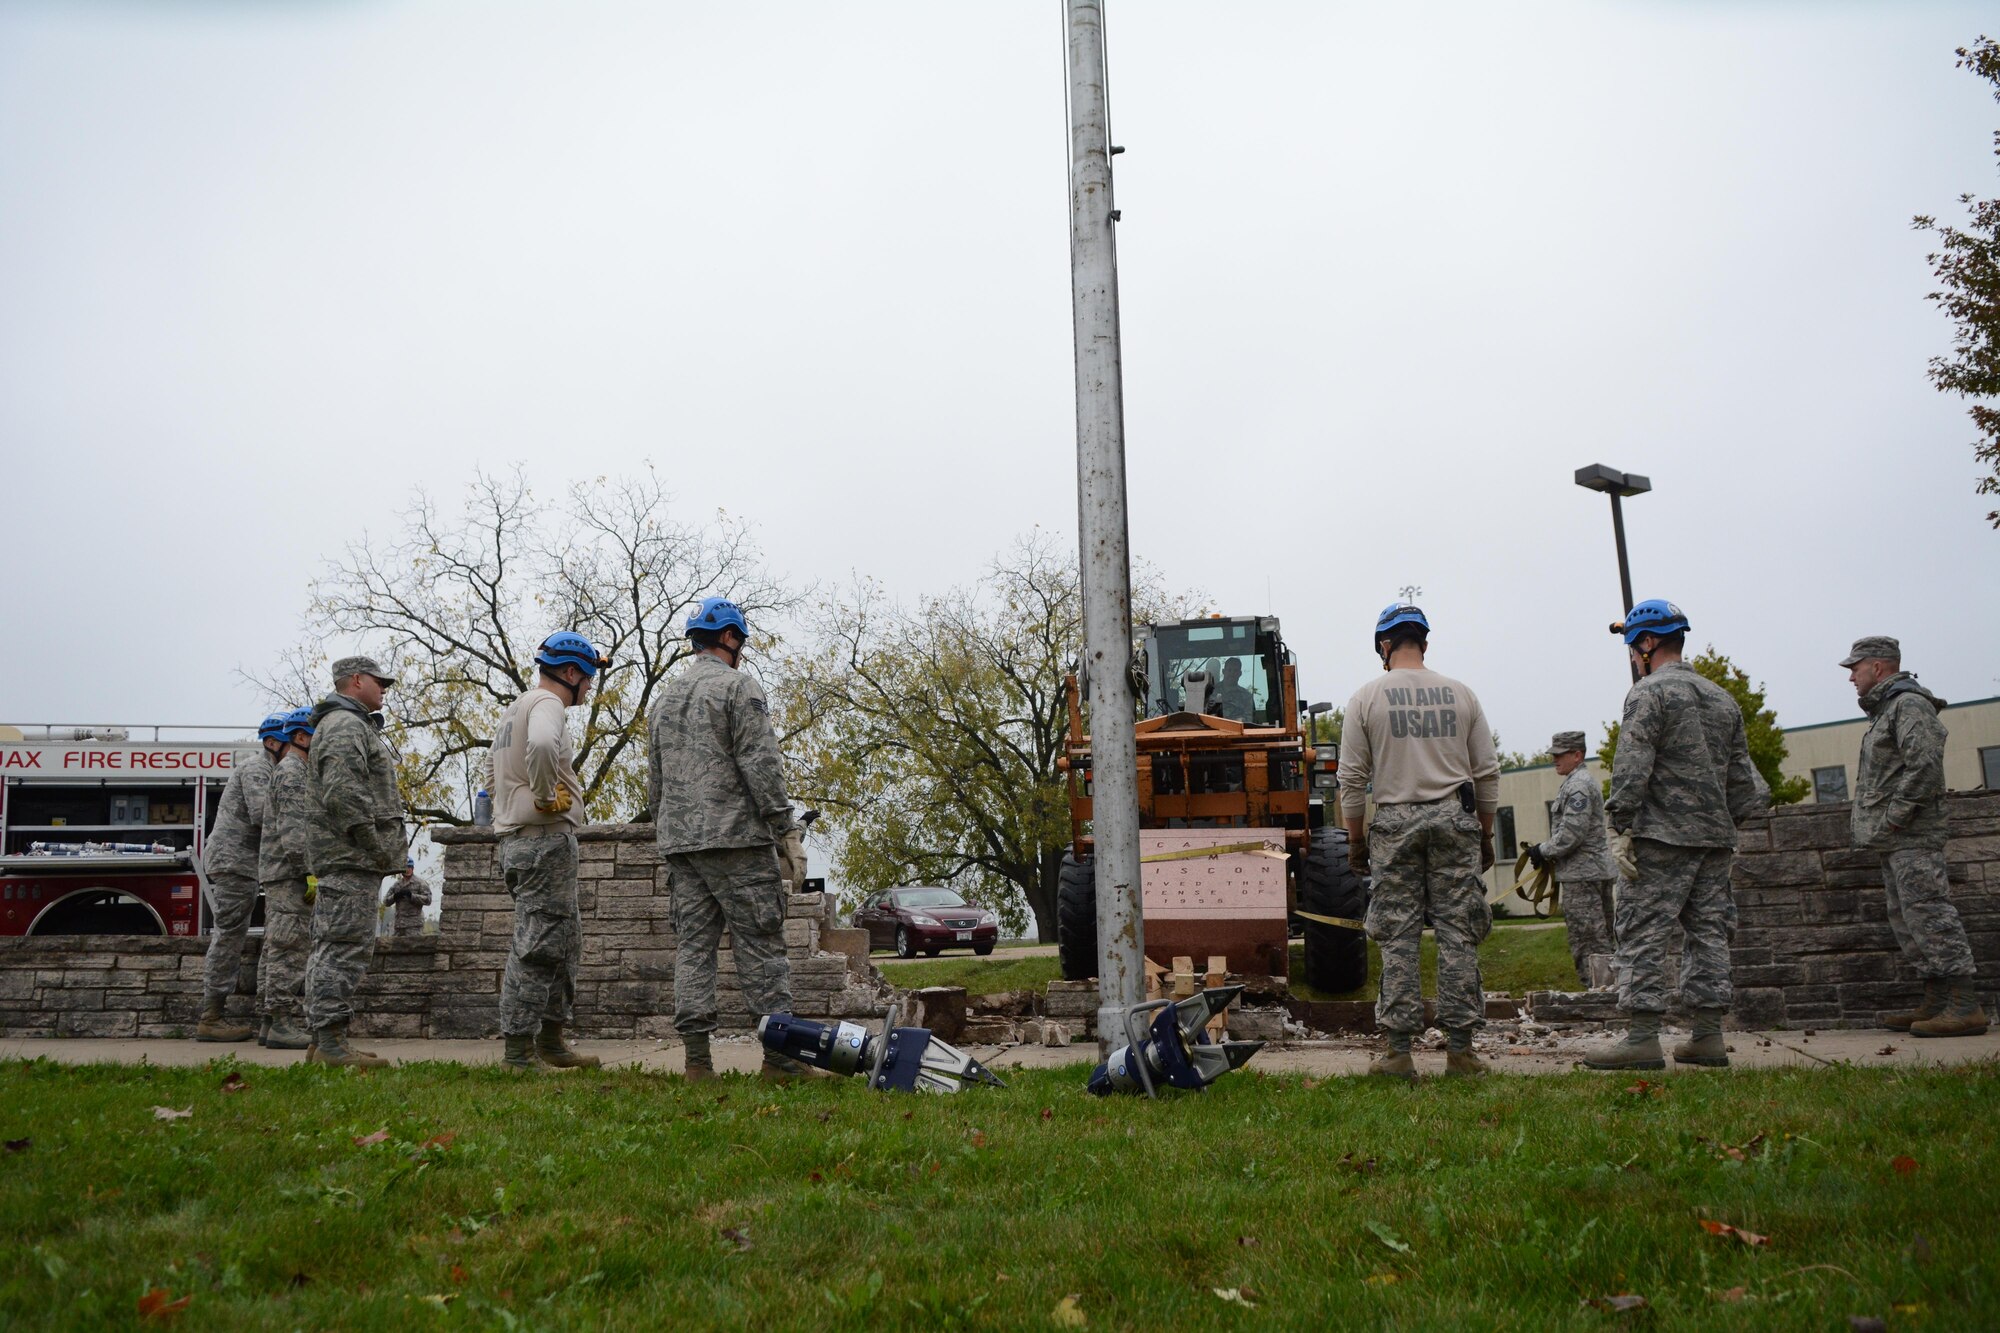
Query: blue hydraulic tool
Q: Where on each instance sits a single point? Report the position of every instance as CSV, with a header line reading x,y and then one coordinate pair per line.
x,y
895,1060
1174,1048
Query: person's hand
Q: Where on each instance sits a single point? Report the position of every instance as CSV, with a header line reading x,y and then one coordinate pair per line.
x,y
1625,855
558,804
1485,852
1357,857
1536,857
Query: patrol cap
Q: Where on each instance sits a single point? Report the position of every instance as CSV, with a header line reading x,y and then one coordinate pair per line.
x,y
1873,645
360,666
1565,741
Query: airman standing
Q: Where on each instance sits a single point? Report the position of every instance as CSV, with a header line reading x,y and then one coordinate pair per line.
x,y
1576,851
229,867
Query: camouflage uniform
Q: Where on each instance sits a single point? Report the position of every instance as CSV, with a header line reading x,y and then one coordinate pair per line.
x,y
540,980
229,863
408,897
1426,860
1680,783
1899,811
281,867
1577,852
717,788
356,837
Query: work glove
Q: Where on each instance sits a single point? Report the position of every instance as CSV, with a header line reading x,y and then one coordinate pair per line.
x,y
1625,855
312,888
557,804
1486,852
1537,857
1357,857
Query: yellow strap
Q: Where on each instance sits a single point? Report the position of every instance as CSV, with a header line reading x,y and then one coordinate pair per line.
x,y
1197,853
1346,922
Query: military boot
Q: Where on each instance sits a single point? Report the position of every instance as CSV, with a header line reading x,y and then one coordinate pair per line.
x,y
329,1047
1962,1016
1393,1064
1464,1064
555,1053
1706,1046
1929,1007
700,1063
285,1037
1639,1048
213,1027
783,1069
264,1031
521,1054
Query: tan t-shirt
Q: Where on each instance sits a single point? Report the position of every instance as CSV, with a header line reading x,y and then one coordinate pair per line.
x,y
530,757
1418,736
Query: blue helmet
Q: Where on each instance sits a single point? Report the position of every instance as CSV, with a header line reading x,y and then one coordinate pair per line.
x,y
272,728
298,720
1398,613
716,614
1657,616
568,648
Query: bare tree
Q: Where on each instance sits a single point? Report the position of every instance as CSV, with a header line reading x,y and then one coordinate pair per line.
x,y
459,601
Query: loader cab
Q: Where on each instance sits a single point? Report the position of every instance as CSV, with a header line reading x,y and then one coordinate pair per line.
x,y
1243,661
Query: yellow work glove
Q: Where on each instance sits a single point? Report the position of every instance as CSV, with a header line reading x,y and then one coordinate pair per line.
x,y
559,804
1624,854
312,888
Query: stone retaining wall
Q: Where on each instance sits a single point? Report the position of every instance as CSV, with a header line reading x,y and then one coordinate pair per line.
x,y
448,984
1813,946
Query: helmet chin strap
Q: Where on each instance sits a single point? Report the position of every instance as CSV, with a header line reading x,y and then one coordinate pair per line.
x,y
575,691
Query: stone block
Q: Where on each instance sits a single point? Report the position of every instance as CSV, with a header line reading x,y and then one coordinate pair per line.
x,y
1830,905
1759,1006
988,1030
802,934
1596,1006
17,985
1754,837
1775,868
72,1001
806,905
1257,1024
1800,827
1071,999
1502,1007
117,1023
942,1009
645,997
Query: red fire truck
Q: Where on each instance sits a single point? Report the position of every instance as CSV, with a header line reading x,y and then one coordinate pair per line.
x,y
102,835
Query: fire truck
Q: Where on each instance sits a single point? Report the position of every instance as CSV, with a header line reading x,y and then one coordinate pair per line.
x,y
102,835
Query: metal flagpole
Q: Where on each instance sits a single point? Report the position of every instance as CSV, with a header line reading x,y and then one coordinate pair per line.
x,y
1106,556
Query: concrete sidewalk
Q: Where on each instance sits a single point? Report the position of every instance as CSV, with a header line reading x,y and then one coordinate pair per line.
x,y
1549,1054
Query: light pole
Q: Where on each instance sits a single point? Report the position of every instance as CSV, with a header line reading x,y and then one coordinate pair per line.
x,y
1617,485
1106,558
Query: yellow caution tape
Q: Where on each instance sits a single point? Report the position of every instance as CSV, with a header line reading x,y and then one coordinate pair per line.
x,y
1346,922
1197,853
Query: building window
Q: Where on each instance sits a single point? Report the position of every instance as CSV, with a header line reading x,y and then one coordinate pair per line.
x,y
1503,831
1989,766
1830,784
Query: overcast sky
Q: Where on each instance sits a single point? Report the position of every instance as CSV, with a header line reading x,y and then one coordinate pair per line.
x,y
1391,273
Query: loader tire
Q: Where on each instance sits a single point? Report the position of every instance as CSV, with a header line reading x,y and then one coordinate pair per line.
x,y
1076,917
1336,957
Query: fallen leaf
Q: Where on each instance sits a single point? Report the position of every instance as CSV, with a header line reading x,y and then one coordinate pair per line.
x,y
763,1111
979,1138
1866,1323
1233,1296
439,1299
1647,1088
1360,1166
370,1140
1048,1113
1002,1277
1248,1242
234,1082
1907,1307
160,1304
737,1236
169,1113
19,1145
1733,1296
815,1177
1905,1166
1382,1279
1623,1303
1388,1237
1886,1050
1750,1238
439,1141
458,1275
1067,1314
909,1115
297,1280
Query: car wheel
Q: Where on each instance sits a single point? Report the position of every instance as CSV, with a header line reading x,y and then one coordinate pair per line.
x,y
904,949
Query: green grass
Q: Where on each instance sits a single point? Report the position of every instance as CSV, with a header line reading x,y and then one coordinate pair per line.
x,y
979,976
627,1200
1512,961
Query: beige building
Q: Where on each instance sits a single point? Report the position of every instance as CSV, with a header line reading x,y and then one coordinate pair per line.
x,y
1823,752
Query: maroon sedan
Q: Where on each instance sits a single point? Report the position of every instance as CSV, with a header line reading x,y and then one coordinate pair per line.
x,y
909,920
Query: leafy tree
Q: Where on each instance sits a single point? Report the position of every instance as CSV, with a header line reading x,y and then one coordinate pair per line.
x,y
458,602
930,735
1325,729
1760,729
1967,267
1516,758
